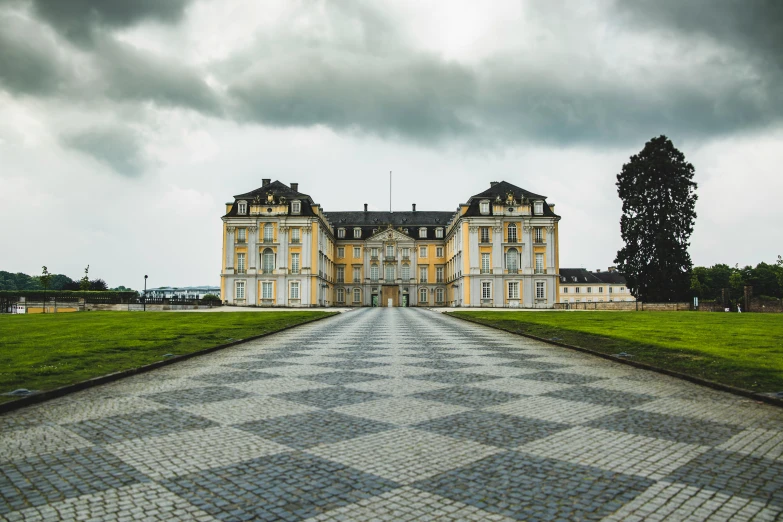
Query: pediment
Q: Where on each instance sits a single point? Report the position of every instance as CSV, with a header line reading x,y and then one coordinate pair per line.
x,y
390,234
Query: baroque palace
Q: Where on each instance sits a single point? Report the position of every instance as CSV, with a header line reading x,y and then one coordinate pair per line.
x,y
280,248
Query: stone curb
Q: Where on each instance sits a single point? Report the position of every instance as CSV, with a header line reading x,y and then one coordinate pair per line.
x,y
644,366
112,377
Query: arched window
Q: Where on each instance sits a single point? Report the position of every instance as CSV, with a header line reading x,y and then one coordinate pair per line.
x,y
269,261
512,232
512,261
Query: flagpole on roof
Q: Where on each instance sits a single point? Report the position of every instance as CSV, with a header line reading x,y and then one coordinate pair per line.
x,y
390,190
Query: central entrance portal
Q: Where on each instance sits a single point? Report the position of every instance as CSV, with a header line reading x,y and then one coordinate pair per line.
x,y
390,295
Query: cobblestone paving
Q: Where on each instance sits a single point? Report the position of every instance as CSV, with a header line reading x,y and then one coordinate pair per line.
x,y
394,415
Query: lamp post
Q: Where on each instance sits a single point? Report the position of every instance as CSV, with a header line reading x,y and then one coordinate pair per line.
x,y
145,292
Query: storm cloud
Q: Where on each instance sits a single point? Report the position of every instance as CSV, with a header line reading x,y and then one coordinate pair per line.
x,y
118,146
347,66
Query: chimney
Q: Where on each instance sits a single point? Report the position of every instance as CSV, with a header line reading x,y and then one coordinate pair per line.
x,y
612,268
492,184
597,270
365,207
265,182
295,187
414,207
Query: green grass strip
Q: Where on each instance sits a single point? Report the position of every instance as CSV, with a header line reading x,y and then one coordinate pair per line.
x,y
43,352
742,350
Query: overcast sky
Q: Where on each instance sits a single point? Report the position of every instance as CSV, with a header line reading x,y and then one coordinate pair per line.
x,y
126,126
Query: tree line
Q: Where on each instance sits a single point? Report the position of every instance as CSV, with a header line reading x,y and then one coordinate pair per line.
x,y
20,281
766,279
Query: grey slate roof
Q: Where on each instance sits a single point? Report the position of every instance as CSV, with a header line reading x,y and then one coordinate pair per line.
x,y
278,189
585,277
501,190
374,221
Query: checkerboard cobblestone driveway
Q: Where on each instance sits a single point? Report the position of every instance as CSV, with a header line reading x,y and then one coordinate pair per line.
x,y
394,414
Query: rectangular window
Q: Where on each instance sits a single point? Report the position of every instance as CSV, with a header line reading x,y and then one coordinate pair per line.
x,y
600,289
423,251
485,263
374,273
439,232
294,235
241,263
539,263
240,289
439,252
438,295
406,272
242,207
579,289
340,251
422,274
357,274
340,232
539,289
389,273
622,289
486,290
565,290
374,253
341,295
422,232
294,289
539,235
538,208
357,252
357,295
266,290
484,207
423,295
512,233
610,289
389,251
341,274
406,253
357,233
241,235
296,208
295,263
513,290
589,289
439,274
484,234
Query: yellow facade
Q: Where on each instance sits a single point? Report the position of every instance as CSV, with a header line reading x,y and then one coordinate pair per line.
x,y
484,254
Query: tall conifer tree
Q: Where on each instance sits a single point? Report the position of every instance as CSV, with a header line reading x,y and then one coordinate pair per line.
x,y
659,198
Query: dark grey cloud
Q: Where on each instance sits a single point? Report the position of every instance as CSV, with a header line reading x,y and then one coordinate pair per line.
x,y
752,26
119,147
415,97
131,74
30,61
78,20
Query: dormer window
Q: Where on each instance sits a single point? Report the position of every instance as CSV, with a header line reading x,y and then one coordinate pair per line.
x,y
242,208
439,232
296,207
423,232
484,207
341,233
538,207
357,233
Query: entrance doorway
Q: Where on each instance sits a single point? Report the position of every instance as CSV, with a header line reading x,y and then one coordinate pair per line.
x,y
375,299
404,299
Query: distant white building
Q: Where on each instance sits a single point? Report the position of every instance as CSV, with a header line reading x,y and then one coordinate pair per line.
x,y
182,292
578,285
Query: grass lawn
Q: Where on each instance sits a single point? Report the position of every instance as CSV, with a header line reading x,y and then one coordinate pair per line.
x,y
42,352
742,350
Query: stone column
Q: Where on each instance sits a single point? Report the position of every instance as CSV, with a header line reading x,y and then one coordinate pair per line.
x,y
252,249
497,249
474,259
527,249
282,249
230,249
550,250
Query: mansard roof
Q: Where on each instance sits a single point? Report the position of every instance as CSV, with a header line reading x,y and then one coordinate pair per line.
x,y
501,190
372,222
586,277
279,190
